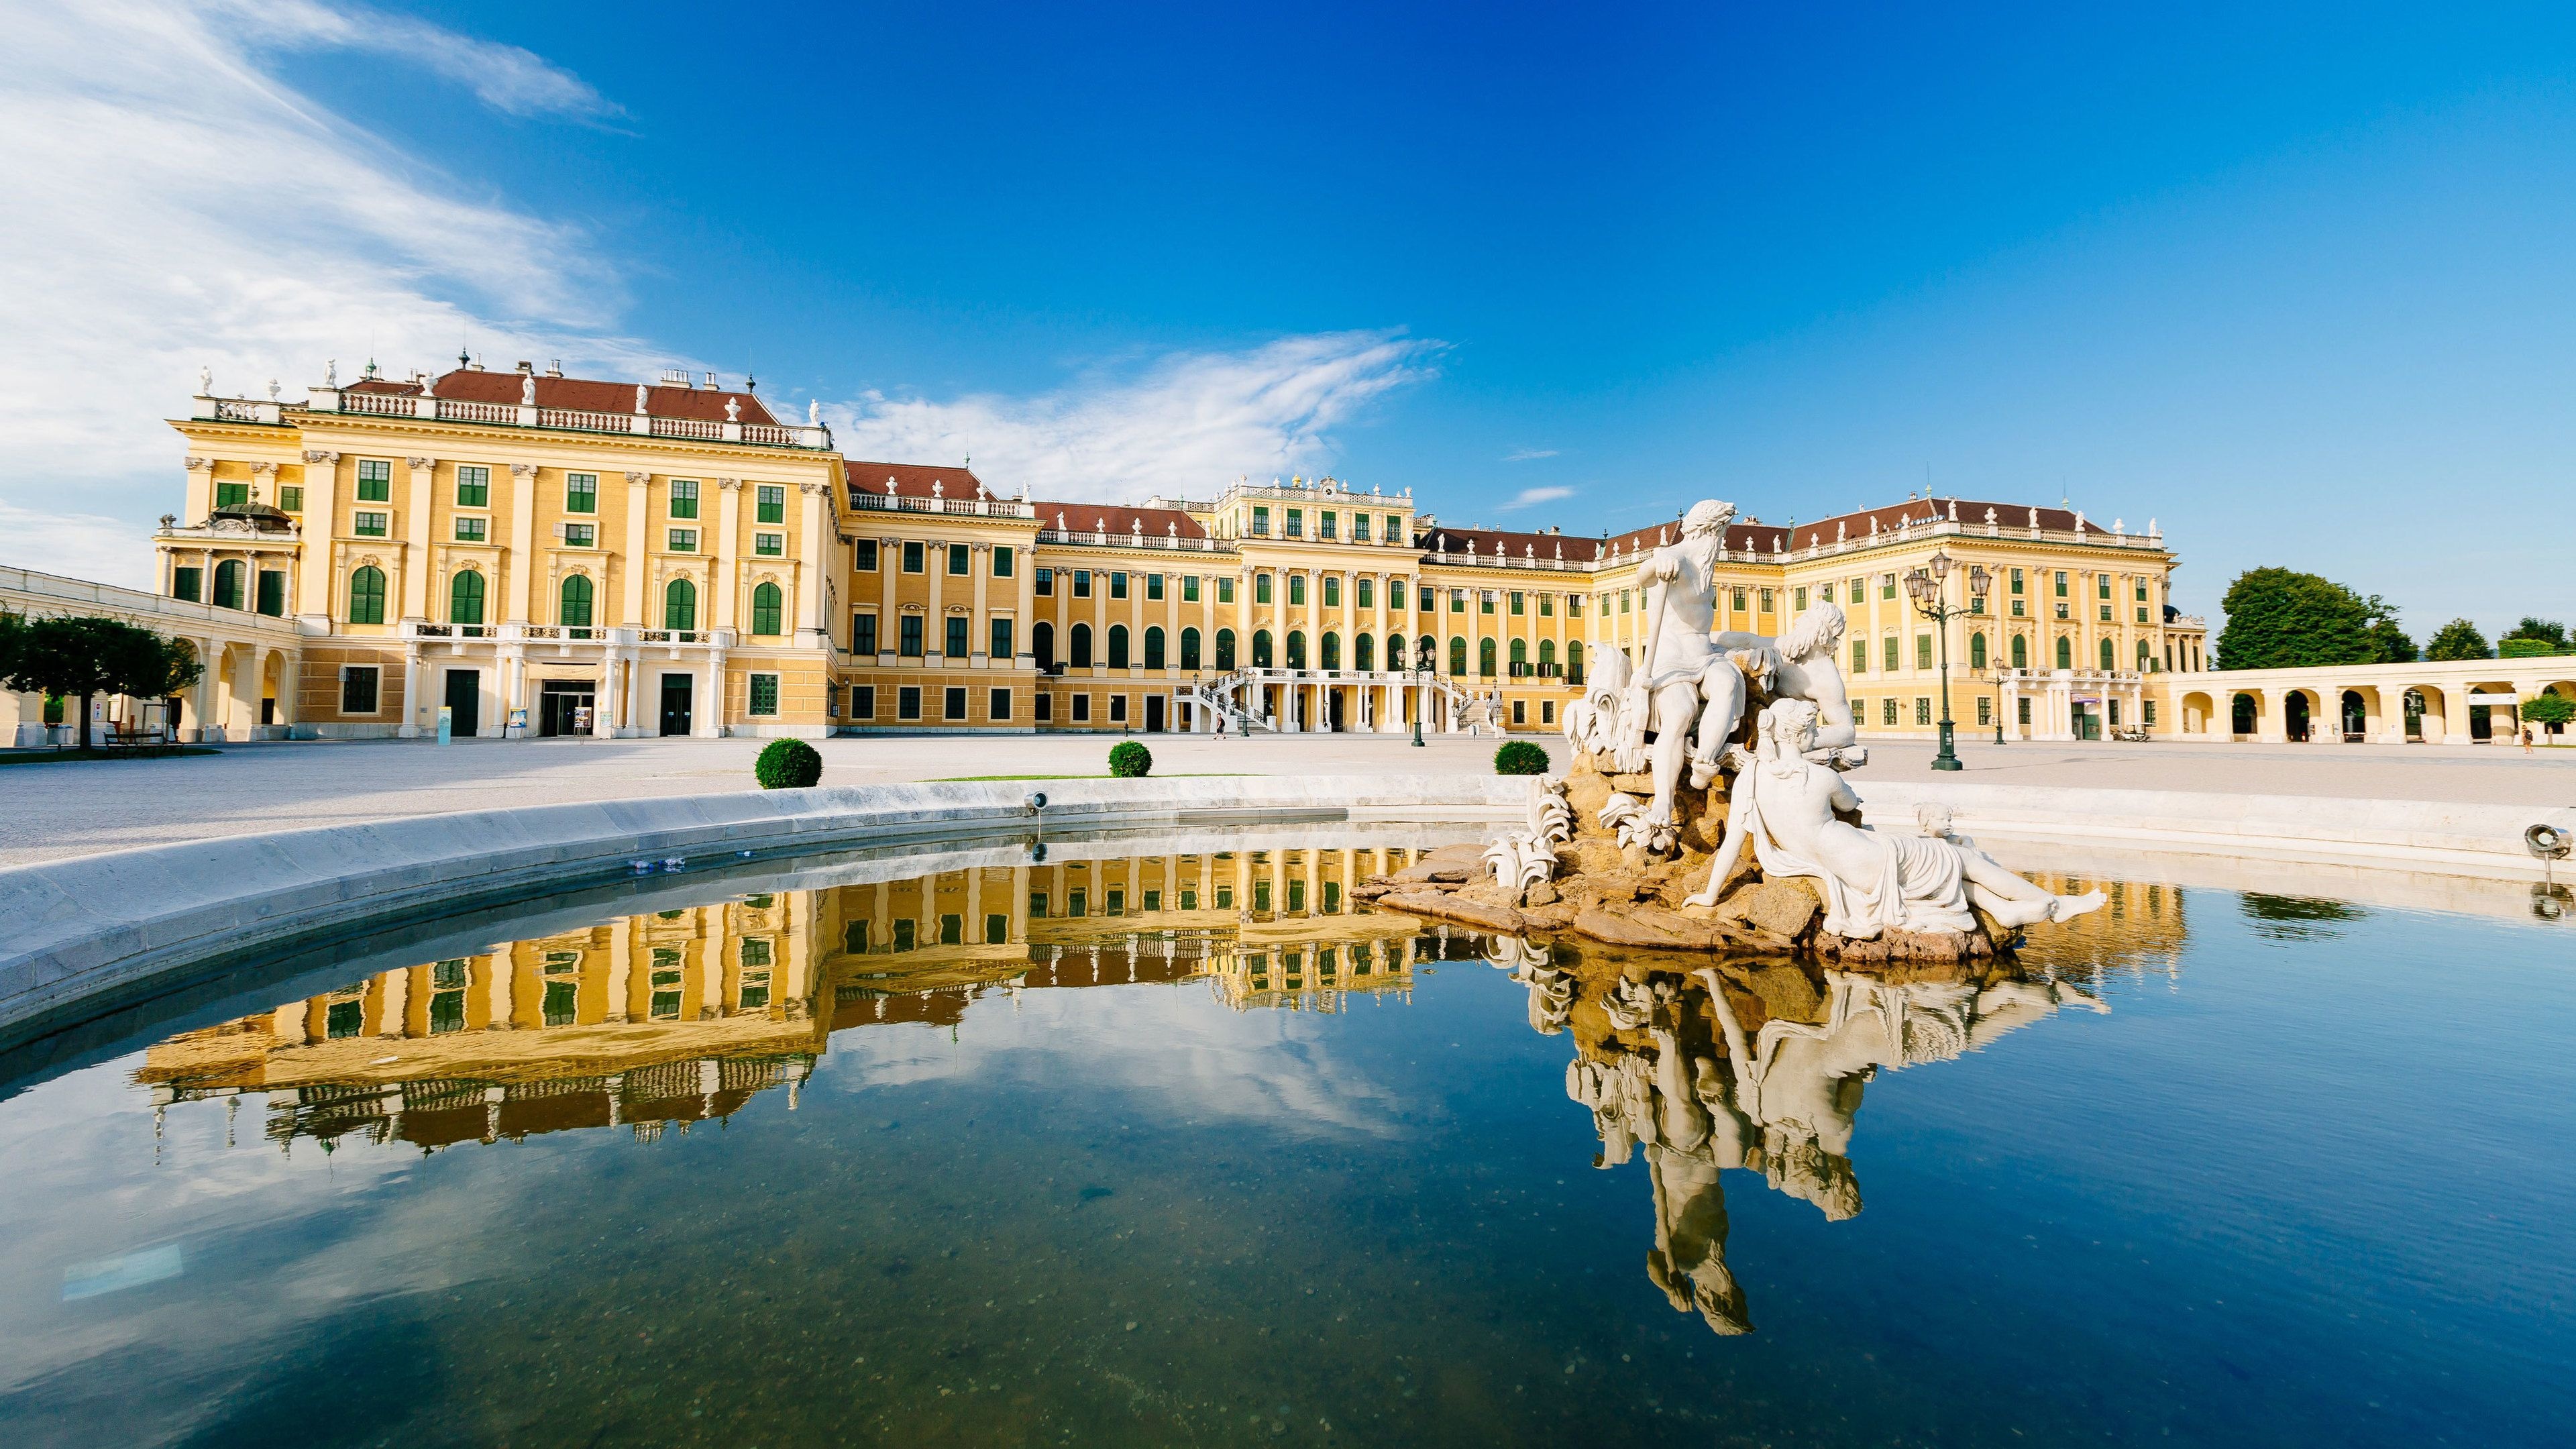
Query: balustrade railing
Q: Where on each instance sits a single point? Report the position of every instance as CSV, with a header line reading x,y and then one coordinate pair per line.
x,y
1101,538
967,507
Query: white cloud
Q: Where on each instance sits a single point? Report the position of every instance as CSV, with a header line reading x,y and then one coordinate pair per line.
x,y
1184,425
1531,497
503,77
172,204
1528,455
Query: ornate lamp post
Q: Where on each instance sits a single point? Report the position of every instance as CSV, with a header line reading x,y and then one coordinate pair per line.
x,y
1930,601
1413,686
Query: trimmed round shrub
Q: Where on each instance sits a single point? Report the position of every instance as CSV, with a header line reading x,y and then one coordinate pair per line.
x,y
1129,760
1520,757
787,765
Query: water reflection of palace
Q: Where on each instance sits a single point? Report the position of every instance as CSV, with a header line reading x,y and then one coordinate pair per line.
x,y
679,1016
1760,1066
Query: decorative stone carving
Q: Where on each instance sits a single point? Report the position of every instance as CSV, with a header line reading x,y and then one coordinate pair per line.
x,y
195,463
323,456
263,470
730,485
523,471
639,478
422,463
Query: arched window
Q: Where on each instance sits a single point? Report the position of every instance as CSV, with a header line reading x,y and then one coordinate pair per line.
x,y
1260,648
572,602
2020,652
1225,649
1042,644
767,603
1363,653
1189,648
2110,660
1296,648
1520,657
367,595
680,605
1574,660
1546,655
1976,651
1457,655
465,598
2065,652
1426,653
1153,648
228,584
1485,658
1080,651
1332,655
1117,646
1395,651
2146,659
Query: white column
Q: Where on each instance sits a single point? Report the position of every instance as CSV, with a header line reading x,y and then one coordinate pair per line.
x,y
410,727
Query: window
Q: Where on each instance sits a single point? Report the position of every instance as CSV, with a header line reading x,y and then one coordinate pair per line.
x,y
2142,613
2109,659
375,480
465,598
1860,656
1854,594
471,530
764,694
1261,588
1517,609
961,560
1623,601
770,503
1260,648
188,584
1082,583
1457,601
1889,653
1574,606
2065,654
1770,600
863,556
769,545
1042,649
909,644
1296,523
1922,651
2101,586
2020,655
1887,711
2024,707
1457,655
368,525
907,701
290,497
1046,707
2016,581
1985,710
1078,654
1484,601
1154,586
1225,591
1547,656
1000,705
1324,525
1331,658
684,498
573,602
1887,590
768,604
1296,648
1118,583
1799,601
912,556
1363,653
1225,648
1547,606
1117,709
1485,658
952,702
358,684
1153,648
2106,614
581,535
367,595
2061,583
1826,592
1081,715
1042,583
1189,648
271,599
1332,590
1976,651
2150,720
1190,589
1360,533
684,540
680,605
1736,599
863,633
581,493
1006,561
474,486
1394,527
997,638
1260,523
1520,658
954,646
1296,590
863,701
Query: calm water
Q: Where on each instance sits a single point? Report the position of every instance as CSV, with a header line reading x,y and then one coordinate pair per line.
x,y
1184,1149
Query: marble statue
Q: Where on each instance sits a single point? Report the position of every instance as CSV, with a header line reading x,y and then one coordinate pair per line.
x,y
1784,807
1691,688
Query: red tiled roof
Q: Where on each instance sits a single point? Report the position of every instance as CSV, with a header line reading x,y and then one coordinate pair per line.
x,y
913,480
1927,510
1489,541
1116,520
661,400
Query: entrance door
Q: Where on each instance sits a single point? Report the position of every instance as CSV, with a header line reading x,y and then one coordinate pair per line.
x,y
559,706
1154,714
677,693
465,697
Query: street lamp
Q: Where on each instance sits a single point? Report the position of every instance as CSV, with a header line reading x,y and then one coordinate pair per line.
x,y
1413,686
1930,600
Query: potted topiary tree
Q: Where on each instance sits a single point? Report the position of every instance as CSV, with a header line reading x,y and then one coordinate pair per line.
x,y
787,765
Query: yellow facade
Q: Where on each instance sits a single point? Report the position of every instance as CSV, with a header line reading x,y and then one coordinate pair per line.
x,y
543,569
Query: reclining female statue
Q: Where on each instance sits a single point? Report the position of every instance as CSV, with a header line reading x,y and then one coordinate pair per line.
x,y
1784,805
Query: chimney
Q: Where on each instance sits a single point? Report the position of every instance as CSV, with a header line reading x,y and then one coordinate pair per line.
x,y
711,382
527,368
555,368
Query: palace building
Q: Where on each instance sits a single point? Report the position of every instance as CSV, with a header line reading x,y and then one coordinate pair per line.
x,y
532,554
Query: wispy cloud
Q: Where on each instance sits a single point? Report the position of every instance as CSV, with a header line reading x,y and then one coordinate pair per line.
x,y
1185,424
1532,497
172,203
1527,455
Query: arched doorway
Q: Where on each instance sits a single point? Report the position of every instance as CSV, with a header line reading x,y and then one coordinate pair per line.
x,y
2294,716
2242,714
2356,718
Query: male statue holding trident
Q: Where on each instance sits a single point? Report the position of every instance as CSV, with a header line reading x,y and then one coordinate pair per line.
x,y
1691,674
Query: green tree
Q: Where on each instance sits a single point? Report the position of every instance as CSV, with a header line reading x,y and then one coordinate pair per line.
x,y
2282,619
2548,709
82,657
2458,639
2534,637
2394,645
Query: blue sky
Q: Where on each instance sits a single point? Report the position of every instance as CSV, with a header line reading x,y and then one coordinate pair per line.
x,y
2294,283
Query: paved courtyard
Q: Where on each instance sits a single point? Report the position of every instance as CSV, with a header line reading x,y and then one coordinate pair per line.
x,y
74,808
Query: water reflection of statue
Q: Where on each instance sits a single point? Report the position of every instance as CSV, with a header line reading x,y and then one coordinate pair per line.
x,y
1785,806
